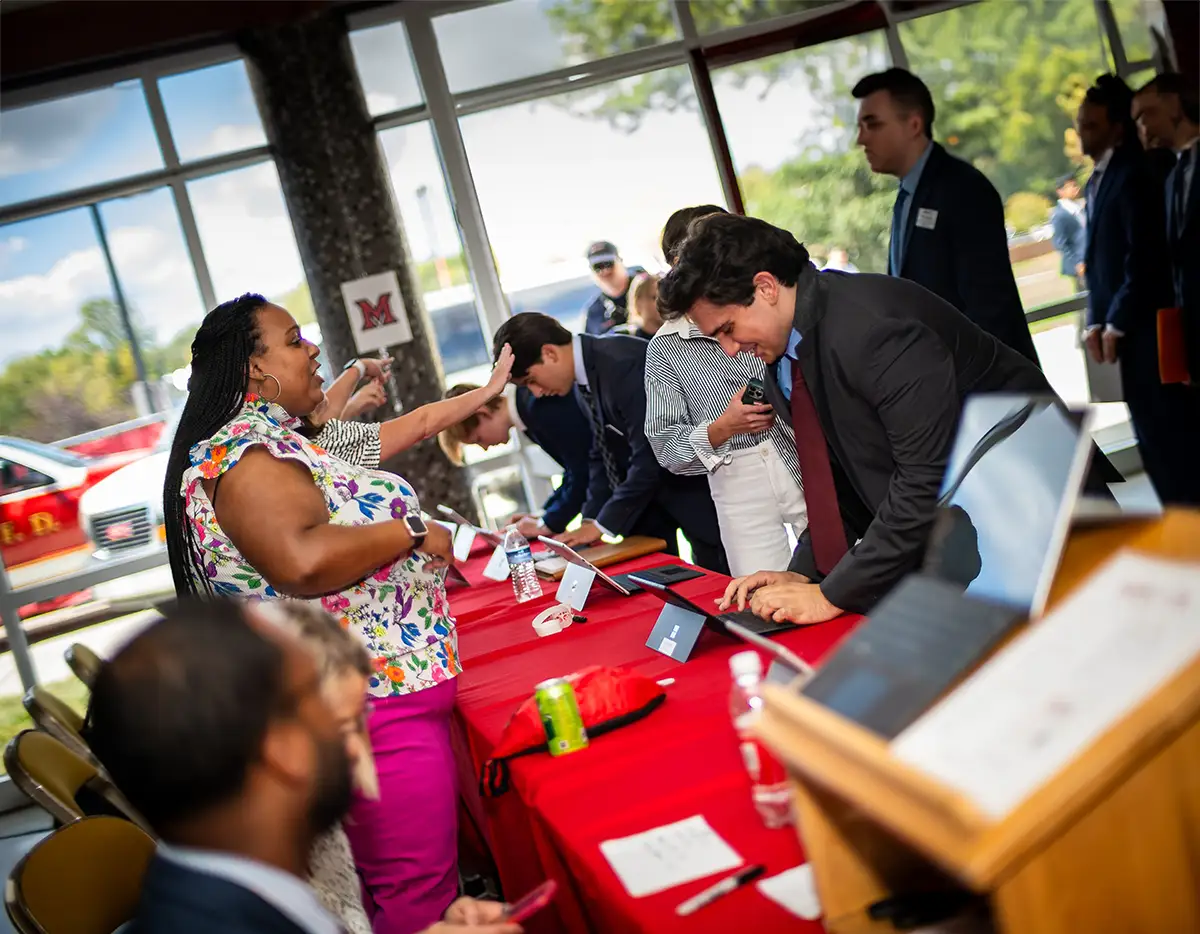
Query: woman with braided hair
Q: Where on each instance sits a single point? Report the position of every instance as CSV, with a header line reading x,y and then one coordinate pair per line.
x,y
254,508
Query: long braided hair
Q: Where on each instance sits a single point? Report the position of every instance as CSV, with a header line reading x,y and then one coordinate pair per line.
x,y
221,353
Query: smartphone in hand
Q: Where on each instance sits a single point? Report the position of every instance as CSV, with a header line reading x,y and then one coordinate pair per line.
x,y
532,903
755,394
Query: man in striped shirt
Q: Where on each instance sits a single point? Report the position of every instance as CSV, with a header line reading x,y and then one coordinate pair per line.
x,y
698,425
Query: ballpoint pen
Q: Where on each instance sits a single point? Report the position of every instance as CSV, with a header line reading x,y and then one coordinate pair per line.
x,y
724,887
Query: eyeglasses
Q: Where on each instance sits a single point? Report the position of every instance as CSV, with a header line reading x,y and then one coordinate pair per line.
x,y
602,267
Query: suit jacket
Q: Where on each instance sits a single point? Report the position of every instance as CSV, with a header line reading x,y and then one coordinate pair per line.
x,y
615,367
559,427
1069,238
964,256
178,900
1183,243
1128,271
602,314
888,364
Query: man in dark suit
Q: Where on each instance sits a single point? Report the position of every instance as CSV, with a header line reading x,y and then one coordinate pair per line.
x,y
212,724
1069,236
1167,111
948,229
871,372
556,424
1129,280
629,492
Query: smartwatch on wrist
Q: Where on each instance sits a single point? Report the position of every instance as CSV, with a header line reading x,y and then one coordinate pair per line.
x,y
417,529
358,365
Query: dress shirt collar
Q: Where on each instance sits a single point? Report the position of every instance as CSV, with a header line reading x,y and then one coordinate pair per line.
x,y
793,344
913,178
290,896
514,411
580,370
1102,163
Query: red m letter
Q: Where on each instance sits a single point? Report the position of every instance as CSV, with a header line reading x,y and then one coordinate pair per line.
x,y
378,314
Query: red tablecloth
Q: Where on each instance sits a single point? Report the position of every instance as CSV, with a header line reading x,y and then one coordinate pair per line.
x,y
680,761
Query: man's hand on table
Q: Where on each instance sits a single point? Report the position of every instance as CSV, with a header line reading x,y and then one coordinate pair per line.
x,y
531,527
584,535
791,602
739,589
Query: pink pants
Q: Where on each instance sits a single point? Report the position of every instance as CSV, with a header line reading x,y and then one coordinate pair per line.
x,y
405,844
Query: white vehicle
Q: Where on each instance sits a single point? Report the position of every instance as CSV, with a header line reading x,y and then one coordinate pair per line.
x,y
122,516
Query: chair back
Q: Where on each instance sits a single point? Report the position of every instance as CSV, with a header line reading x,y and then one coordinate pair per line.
x,y
48,772
51,714
85,878
84,662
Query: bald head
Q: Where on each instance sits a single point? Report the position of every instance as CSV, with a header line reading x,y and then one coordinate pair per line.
x,y
178,717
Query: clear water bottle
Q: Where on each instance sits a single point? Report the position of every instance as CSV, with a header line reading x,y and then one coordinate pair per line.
x,y
520,565
770,789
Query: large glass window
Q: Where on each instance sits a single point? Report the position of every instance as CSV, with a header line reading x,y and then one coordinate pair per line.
x,y
385,68
713,15
557,174
73,142
542,35
211,111
247,236
436,250
1007,79
156,275
805,173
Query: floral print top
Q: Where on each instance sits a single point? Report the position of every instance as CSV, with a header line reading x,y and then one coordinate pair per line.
x,y
400,612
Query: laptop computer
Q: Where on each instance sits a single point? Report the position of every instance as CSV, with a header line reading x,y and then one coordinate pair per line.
x,y
493,538
620,582
714,621
1014,473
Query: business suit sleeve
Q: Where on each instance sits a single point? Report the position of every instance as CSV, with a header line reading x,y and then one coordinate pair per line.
x,y
907,375
640,485
1137,216
566,502
982,271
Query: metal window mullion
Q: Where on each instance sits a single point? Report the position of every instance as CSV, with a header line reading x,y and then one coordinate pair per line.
x,y
895,43
405,116
195,248
162,127
1108,23
489,294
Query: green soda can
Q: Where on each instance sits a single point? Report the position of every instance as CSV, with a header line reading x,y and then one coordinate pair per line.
x,y
560,716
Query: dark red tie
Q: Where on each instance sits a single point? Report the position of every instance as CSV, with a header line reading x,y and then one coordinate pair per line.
x,y
825,527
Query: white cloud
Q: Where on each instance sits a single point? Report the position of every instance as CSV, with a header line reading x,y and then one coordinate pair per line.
x,y
379,102
248,243
46,135
228,137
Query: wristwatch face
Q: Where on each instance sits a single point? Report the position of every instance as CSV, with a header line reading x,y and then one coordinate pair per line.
x,y
416,525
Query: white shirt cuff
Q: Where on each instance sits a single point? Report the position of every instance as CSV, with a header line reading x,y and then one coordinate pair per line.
x,y
603,530
710,457
1115,332
1092,328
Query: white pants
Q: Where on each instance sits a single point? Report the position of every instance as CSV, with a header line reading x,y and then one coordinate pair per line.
x,y
757,500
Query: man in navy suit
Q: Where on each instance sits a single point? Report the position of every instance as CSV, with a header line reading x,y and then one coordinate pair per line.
x,y
1129,279
1167,111
1069,233
948,229
212,724
629,492
556,424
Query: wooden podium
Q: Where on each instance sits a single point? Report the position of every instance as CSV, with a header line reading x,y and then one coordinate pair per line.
x,y
1110,845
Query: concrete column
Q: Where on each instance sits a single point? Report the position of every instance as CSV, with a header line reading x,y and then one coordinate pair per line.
x,y
340,200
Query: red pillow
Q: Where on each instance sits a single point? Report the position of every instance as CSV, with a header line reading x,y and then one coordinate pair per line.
x,y
608,698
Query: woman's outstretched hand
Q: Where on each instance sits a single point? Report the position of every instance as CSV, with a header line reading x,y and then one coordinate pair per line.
x,y
501,371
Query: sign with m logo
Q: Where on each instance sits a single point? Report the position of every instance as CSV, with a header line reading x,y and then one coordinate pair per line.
x,y
376,312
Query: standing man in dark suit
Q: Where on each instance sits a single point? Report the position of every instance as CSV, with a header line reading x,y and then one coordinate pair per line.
x,y
556,424
1129,280
1069,234
948,221
1167,111
871,372
629,492
212,724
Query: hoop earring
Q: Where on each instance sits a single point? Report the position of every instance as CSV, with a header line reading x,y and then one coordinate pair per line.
x,y
278,388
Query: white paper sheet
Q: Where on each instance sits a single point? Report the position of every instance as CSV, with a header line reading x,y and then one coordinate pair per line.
x,y
1033,708
667,856
795,890
497,566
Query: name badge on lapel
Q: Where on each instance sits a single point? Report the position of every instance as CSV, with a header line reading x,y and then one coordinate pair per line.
x,y
926,218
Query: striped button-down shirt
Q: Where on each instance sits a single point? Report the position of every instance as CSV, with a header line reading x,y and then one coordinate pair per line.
x,y
689,381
